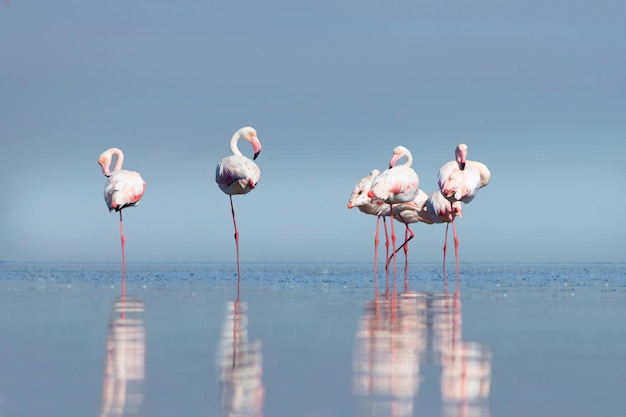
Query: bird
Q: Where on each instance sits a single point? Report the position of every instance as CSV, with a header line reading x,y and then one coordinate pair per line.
x,y
397,184
237,174
122,189
459,181
367,205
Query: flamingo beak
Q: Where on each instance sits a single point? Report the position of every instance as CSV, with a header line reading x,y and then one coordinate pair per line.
x,y
350,204
255,155
393,161
462,166
105,170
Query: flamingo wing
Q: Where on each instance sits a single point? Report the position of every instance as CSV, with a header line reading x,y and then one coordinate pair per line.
x,y
123,189
237,174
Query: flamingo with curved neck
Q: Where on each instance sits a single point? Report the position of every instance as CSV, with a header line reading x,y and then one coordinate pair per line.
x,y
237,174
395,185
122,188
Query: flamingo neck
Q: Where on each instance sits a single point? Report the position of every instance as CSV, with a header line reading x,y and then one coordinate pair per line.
x,y
409,160
233,143
120,158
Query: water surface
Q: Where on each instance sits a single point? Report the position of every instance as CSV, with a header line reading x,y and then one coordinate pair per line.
x,y
311,340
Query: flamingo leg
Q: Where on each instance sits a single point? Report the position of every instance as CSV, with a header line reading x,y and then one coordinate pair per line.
x,y
456,246
406,256
232,209
376,241
393,247
123,239
406,240
445,246
387,240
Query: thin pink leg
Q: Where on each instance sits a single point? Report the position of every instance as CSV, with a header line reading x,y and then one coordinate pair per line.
x,y
393,247
232,209
387,242
386,257
456,247
376,241
407,237
404,245
445,247
123,245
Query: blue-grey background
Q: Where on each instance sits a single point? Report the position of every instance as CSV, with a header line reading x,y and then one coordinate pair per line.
x,y
535,88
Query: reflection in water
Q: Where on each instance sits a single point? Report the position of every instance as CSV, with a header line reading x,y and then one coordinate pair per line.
x,y
124,368
400,334
386,366
240,366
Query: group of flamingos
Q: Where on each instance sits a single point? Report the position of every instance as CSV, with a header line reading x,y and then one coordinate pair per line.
x,y
395,193
392,193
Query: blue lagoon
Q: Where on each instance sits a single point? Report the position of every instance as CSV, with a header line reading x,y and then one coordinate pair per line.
x,y
311,340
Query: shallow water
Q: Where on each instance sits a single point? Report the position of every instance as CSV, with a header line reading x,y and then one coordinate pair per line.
x,y
312,340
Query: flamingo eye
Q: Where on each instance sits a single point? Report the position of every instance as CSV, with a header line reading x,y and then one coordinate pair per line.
x,y
360,192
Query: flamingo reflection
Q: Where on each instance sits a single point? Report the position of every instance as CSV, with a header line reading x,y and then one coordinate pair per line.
x,y
400,335
124,368
465,366
386,367
240,365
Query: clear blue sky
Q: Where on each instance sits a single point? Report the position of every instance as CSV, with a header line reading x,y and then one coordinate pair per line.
x,y
537,89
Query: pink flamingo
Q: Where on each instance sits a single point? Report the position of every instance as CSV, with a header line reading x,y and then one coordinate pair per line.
x,y
397,184
122,189
367,205
460,180
236,174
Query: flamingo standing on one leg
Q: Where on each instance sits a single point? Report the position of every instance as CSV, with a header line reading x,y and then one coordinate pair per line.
x,y
378,208
460,180
397,184
236,174
122,189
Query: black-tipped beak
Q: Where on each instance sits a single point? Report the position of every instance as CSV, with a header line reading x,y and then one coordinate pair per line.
x,y
462,166
255,155
390,166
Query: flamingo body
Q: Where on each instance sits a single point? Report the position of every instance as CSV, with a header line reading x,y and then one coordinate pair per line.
x,y
460,180
363,202
123,188
411,211
237,174
398,183
437,209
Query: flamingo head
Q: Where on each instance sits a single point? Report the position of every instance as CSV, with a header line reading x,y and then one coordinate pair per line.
x,y
104,163
461,155
359,194
249,134
399,152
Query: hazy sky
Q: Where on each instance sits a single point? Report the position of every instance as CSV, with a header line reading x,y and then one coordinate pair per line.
x,y
537,89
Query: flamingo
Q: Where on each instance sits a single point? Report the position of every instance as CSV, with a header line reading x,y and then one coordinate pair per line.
x,y
397,184
460,180
122,189
236,174
367,205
